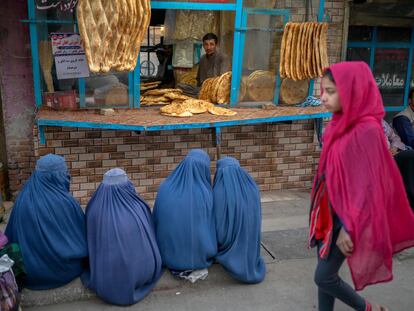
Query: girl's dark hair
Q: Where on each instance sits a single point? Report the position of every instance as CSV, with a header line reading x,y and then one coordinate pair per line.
x,y
329,75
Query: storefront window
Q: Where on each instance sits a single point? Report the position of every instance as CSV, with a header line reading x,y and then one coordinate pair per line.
x,y
359,54
393,34
360,33
390,48
390,72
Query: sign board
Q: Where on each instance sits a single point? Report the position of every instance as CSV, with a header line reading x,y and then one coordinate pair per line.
x,y
390,71
70,59
63,5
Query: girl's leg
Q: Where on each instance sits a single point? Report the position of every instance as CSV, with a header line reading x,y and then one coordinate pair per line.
x,y
331,286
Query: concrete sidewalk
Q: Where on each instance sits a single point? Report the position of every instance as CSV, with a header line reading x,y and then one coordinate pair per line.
x,y
288,285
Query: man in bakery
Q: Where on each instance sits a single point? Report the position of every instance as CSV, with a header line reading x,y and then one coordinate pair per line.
x,y
212,63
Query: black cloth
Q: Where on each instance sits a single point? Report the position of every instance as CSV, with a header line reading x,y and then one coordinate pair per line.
x,y
405,162
404,129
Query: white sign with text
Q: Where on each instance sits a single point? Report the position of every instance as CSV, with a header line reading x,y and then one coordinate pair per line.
x,y
70,59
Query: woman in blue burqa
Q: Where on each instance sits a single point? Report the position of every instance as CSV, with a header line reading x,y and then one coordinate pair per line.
x,y
49,225
124,259
238,218
183,215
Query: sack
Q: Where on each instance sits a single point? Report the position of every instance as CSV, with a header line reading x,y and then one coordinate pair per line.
x,y
9,292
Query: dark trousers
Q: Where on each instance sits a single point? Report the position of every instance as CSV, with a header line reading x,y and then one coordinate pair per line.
x,y
331,286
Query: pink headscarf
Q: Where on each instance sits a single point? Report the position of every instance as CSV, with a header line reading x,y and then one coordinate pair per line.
x,y
364,184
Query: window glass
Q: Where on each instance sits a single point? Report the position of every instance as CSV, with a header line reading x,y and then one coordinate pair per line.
x,y
360,33
393,34
390,70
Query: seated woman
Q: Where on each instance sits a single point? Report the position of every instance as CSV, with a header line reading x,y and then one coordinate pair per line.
x,y
49,226
405,162
183,215
238,218
394,142
124,259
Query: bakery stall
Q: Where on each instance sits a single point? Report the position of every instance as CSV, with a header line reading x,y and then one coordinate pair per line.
x,y
87,71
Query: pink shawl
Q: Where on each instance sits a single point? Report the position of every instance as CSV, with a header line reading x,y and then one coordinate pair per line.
x,y
364,185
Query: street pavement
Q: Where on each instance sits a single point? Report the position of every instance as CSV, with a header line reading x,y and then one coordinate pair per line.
x,y
288,285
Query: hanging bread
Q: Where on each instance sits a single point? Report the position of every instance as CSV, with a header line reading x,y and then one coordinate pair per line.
x,y
303,52
283,51
112,32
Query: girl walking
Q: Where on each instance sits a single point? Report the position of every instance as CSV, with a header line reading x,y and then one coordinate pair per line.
x,y
359,209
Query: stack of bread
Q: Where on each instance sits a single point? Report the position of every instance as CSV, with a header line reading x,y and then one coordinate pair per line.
x,y
217,89
144,86
303,53
163,97
190,107
112,32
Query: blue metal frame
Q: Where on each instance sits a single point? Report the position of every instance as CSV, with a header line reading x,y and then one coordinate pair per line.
x,y
321,17
239,47
110,126
35,54
176,5
134,76
373,45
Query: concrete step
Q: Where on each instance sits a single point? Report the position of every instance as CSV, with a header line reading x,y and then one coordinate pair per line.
x,y
75,291
281,211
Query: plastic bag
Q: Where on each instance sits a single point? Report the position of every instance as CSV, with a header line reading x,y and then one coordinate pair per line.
x,y
9,293
194,24
183,54
169,26
191,275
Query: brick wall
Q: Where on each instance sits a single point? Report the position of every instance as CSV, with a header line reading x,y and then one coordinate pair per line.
x,y
17,99
278,156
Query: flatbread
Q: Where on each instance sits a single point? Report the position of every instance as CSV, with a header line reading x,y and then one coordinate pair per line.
x,y
288,49
204,94
213,89
317,50
116,30
156,99
145,103
162,92
293,55
171,108
176,96
282,50
218,111
311,51
243,88
197,106
324,46
293,92
305,52
176,110
223,92
183,114
260,85
299,55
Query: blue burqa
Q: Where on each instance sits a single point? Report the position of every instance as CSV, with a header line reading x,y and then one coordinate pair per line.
x,y
124,259
183,215
237,212
49,225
